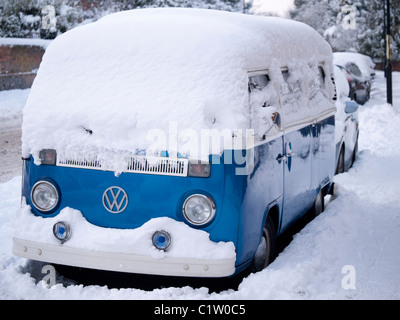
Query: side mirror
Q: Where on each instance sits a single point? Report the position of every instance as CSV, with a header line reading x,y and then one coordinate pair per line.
x,y
273,119
276,119
351,107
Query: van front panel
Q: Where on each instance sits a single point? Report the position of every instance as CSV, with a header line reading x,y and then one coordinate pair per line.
x,y
147,196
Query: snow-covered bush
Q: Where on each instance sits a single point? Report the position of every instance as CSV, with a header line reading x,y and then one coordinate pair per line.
x,y
352,25
23,18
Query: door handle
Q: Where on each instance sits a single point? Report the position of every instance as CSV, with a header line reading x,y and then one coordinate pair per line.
x,y
289,151
285,157
281,158
288,155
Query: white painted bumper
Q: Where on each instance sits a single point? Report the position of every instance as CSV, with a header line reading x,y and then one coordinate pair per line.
x,y
123,262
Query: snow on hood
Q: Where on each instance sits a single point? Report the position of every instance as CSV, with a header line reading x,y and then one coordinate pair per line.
x,y
108,84
364,62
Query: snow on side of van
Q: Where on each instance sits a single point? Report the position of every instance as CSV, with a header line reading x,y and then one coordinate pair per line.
x,y
152,79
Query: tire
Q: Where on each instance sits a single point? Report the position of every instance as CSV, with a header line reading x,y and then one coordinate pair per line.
x,y
340,163
266,250
318,206
355,151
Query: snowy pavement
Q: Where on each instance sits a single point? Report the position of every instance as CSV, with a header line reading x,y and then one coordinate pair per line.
x,y
11,105
351,251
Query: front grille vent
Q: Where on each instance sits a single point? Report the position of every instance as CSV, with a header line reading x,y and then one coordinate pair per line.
x,y
135,164
74,163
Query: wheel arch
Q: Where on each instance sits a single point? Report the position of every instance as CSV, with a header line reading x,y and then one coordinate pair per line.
x,y
272,211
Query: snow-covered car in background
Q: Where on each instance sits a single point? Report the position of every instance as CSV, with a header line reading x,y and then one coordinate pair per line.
x,y
346,126
359,71
175,142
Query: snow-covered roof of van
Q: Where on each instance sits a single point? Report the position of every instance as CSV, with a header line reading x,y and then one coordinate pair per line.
x,y
222,32
138,71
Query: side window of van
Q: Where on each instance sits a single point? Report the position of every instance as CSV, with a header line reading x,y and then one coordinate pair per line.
x,y
258,82
291,89
321,75
263,104
317,88
293,97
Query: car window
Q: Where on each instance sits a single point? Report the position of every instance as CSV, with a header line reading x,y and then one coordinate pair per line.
x,y
317,85
290,89
263,103
293,96
321,75
258,82
354,69
317,92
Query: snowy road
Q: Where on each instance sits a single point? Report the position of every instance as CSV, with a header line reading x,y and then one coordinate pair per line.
x,y
11,104
351,251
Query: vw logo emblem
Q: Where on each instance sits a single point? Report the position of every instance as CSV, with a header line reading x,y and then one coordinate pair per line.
x,y
115,199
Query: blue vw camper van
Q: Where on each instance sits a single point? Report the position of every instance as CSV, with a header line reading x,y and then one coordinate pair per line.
x,y
175,142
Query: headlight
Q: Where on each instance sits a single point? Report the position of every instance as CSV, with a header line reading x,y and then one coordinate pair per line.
x,y
44,196
199,209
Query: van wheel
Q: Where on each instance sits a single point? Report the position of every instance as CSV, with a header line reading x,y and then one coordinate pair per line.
x,y
355,151
340,164
265,253
318,206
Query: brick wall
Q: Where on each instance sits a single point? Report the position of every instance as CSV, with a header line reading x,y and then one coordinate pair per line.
x,y
395,65
18,65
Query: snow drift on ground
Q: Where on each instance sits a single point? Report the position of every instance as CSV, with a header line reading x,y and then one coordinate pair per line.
x,y
358,233
12,103
134,72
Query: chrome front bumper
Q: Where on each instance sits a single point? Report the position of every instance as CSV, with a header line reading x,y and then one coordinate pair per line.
x,y
123,262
